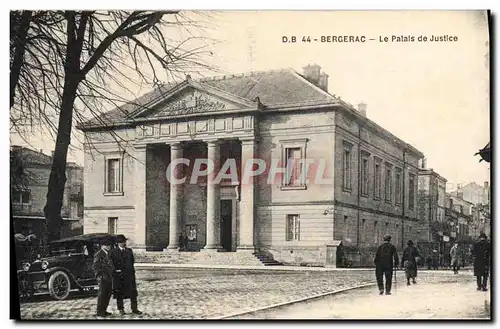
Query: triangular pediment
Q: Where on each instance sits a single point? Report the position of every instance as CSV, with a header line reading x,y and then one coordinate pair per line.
x,y
190,98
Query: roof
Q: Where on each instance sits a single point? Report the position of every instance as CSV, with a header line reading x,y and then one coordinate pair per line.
x,y
430,171
85,238
276,88
32,157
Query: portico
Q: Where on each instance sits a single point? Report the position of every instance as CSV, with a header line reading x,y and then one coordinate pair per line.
x,y
210,192
195,125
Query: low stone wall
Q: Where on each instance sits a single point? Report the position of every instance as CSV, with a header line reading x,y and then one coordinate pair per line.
x,y
298,256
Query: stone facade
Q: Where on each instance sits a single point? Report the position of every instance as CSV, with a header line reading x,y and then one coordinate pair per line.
x,y
431,203
271,117
29,193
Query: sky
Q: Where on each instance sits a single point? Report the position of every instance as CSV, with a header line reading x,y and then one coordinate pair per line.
x,y
432,95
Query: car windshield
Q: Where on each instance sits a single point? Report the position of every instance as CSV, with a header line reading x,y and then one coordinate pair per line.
x,y
56,250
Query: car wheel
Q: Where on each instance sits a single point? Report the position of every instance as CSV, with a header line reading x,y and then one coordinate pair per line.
x,y
59,285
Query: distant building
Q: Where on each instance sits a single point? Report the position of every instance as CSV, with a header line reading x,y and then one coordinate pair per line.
x,y
29,192
458,218
479,197
474,193
431,203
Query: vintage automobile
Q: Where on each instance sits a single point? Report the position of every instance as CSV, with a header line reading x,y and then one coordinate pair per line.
x,y
66,266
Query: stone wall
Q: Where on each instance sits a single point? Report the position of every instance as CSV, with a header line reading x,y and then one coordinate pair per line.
x,y
157,198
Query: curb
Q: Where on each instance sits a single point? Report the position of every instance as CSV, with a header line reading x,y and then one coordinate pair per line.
x,y
293,301
271,268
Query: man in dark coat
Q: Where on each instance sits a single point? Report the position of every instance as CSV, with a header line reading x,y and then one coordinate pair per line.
x,y
409,261
385,260
125,284
103,269
481,254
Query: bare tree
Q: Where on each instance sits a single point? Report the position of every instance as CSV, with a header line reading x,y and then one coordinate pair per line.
x,y
77,64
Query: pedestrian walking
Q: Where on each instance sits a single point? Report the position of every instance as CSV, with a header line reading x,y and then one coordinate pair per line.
x,y
409,262
103,269
454,258
435,259
386,259
429,262
125,284
481,254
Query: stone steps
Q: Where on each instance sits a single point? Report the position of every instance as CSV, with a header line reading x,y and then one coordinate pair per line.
x,y
202,258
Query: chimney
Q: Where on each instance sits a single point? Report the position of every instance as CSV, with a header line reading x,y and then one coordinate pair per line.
x,y
52,153
41,150
486,185
312,73
423,163
323,81
362,109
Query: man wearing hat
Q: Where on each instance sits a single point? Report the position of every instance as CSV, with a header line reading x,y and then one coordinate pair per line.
x,y
481,254
385,260
125,285
103,269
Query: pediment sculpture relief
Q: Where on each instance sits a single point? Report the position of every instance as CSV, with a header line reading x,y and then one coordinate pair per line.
x,y
190,104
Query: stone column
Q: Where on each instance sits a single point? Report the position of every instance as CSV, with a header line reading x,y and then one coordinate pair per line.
x,y
175,197
213,198
140,196
246,198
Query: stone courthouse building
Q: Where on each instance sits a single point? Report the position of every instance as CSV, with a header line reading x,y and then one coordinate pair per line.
x,y
273,116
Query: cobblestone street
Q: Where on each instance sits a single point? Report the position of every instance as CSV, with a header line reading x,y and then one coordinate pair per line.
x,y
168,293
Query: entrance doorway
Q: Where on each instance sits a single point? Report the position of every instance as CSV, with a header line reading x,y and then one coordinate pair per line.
x,y
226,210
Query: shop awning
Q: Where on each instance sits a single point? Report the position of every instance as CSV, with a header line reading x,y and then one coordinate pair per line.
x,y
485,153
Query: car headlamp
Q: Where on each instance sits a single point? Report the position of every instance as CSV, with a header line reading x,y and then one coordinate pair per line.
x,y
26,266
45,264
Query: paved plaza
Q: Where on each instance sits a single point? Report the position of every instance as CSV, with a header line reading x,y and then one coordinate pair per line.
x,y
191,293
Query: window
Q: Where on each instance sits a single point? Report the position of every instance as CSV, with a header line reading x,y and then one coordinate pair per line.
x,y
411,192
292,228
21,197
293,156
346,167
377,177
388,183
386,229
346,229
398,186
364,177
113,176
293,167
113,225
363,230
396,236
375,231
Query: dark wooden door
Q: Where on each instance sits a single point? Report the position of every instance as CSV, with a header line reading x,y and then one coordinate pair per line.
x,y
226,224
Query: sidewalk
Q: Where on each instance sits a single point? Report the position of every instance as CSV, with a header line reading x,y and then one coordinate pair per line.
x,y
275,268
420,301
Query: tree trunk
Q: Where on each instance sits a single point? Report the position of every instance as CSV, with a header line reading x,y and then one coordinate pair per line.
x,y
57,178
72,77
19,50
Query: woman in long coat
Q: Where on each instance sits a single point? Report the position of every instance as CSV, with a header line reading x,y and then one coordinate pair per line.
x,y
409,262
124,283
